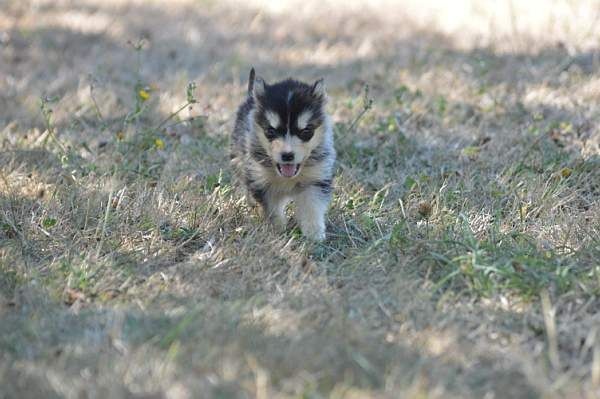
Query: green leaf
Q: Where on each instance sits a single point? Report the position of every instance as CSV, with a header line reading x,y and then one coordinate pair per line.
x,y
471,151
49,223
409,183
190,93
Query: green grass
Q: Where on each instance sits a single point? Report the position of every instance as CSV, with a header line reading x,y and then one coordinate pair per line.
x,y
463,248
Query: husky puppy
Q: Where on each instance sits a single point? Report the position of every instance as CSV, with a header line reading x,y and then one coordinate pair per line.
x,y
282,150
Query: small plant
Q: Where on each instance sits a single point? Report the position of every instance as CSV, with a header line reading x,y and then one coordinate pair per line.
x,y
367,104
190,100
47,113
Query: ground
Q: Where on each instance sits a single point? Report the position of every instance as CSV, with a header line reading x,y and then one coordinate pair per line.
x,y
463,249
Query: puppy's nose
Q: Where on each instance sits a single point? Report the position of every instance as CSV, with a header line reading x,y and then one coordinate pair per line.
x,y
287,156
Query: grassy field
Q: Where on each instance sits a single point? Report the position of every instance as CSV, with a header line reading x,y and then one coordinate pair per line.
x,y
463,249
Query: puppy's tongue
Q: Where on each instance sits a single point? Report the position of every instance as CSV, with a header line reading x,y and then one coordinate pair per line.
x,y
287,170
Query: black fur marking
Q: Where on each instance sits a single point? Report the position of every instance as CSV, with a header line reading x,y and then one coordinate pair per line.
x,y
258,153
305,102
324,186
258,192
317,155
251,82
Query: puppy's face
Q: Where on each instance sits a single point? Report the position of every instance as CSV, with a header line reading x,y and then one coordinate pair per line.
x,y
289,122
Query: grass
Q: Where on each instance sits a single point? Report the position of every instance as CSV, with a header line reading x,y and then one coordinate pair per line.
x,y
462,257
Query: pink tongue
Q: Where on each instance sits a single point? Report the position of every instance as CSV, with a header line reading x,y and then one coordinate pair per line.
x,y
288,170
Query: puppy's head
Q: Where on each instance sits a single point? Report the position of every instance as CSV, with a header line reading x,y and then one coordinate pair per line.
x,y
289,121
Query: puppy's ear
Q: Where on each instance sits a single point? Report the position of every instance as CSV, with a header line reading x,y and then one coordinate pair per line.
x,y
318,89
259,87
256,85
251,81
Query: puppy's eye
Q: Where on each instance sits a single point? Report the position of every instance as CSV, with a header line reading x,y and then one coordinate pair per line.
x,y
306,134
271,133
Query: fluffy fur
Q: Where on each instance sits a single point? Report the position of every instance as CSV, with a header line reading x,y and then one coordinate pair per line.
x,y
282,150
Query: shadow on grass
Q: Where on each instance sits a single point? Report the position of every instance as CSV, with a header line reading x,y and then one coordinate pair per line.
x,y
208,338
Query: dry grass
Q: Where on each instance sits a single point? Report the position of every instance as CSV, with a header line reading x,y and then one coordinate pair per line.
x,y
463,250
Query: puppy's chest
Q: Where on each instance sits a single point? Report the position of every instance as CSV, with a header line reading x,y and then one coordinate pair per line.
x,y
289,186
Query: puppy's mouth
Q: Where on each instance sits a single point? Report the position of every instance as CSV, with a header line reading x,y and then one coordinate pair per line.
x,y
288,169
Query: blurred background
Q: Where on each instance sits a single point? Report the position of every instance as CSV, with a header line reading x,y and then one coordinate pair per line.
x,y
62,47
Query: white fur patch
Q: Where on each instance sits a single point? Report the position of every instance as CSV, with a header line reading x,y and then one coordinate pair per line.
x,y
273,119
303,119
311,207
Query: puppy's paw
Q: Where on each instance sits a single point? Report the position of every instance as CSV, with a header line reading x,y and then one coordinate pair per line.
x,y
279,223
314,232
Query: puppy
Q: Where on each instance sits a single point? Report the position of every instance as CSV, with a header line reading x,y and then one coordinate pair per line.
x,y
282,150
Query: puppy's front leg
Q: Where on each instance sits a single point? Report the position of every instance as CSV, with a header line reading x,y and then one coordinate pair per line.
x,y
311,206
274,207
